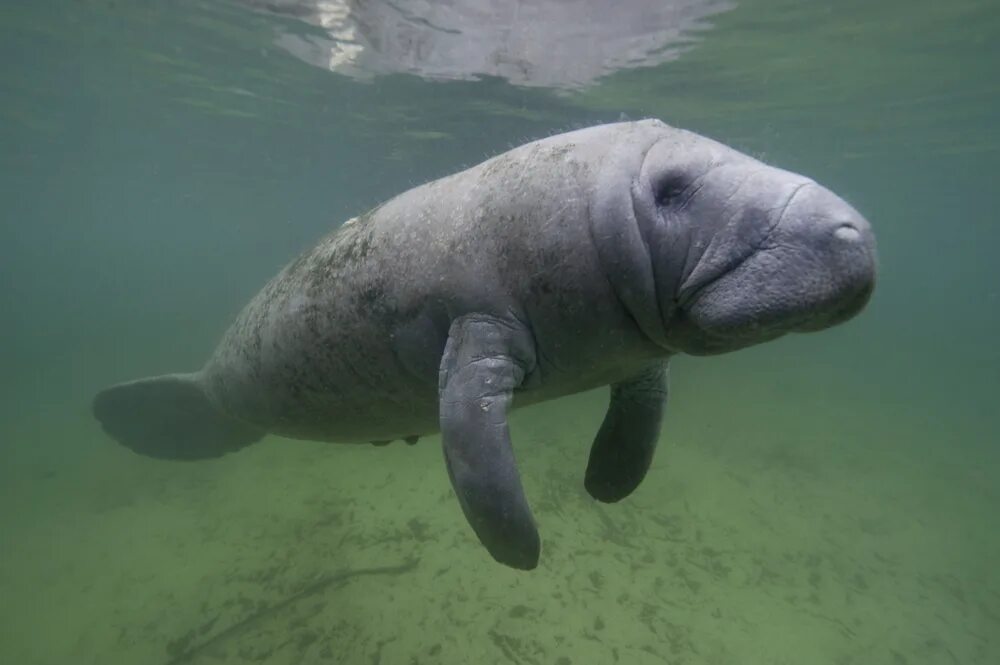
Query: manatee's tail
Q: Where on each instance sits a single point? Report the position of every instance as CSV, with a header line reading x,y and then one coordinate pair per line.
x,y
170,417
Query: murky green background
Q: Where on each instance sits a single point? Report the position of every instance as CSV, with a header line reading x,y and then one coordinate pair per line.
x,y
826,499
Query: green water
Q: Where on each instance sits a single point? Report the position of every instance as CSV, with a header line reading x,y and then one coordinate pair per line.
x,y
824,499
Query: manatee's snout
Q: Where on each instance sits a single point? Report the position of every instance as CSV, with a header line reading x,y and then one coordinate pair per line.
x,y
787,256
842,264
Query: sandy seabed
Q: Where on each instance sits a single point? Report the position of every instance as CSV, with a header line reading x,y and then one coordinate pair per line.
x,y
804,533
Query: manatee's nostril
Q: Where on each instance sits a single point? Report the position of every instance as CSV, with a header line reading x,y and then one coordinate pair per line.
x,y
847,232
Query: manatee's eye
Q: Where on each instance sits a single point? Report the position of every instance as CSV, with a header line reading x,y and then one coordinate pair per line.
x,y
670,185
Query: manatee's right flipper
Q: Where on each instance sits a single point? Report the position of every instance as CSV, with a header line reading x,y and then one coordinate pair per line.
x,y
623,449
170,417
485,359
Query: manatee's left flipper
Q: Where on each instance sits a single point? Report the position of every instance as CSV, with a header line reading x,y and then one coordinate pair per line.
x,y
485,359
624,446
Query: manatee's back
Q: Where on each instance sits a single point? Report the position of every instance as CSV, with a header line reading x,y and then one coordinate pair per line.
x,y
344,343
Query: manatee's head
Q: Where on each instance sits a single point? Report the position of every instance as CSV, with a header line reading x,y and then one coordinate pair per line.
x,y
742,252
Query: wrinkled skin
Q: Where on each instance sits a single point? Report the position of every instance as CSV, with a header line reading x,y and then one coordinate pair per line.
x,y
585,259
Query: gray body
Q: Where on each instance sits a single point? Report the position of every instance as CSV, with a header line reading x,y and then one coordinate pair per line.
x,y
581,260
345,343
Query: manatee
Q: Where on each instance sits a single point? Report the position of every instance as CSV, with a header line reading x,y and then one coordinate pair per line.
x,y
584,259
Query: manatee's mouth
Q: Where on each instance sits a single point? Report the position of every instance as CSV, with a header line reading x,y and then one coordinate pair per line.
x,y
844,310
709,320
697,284
694,338
699,333
695,289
